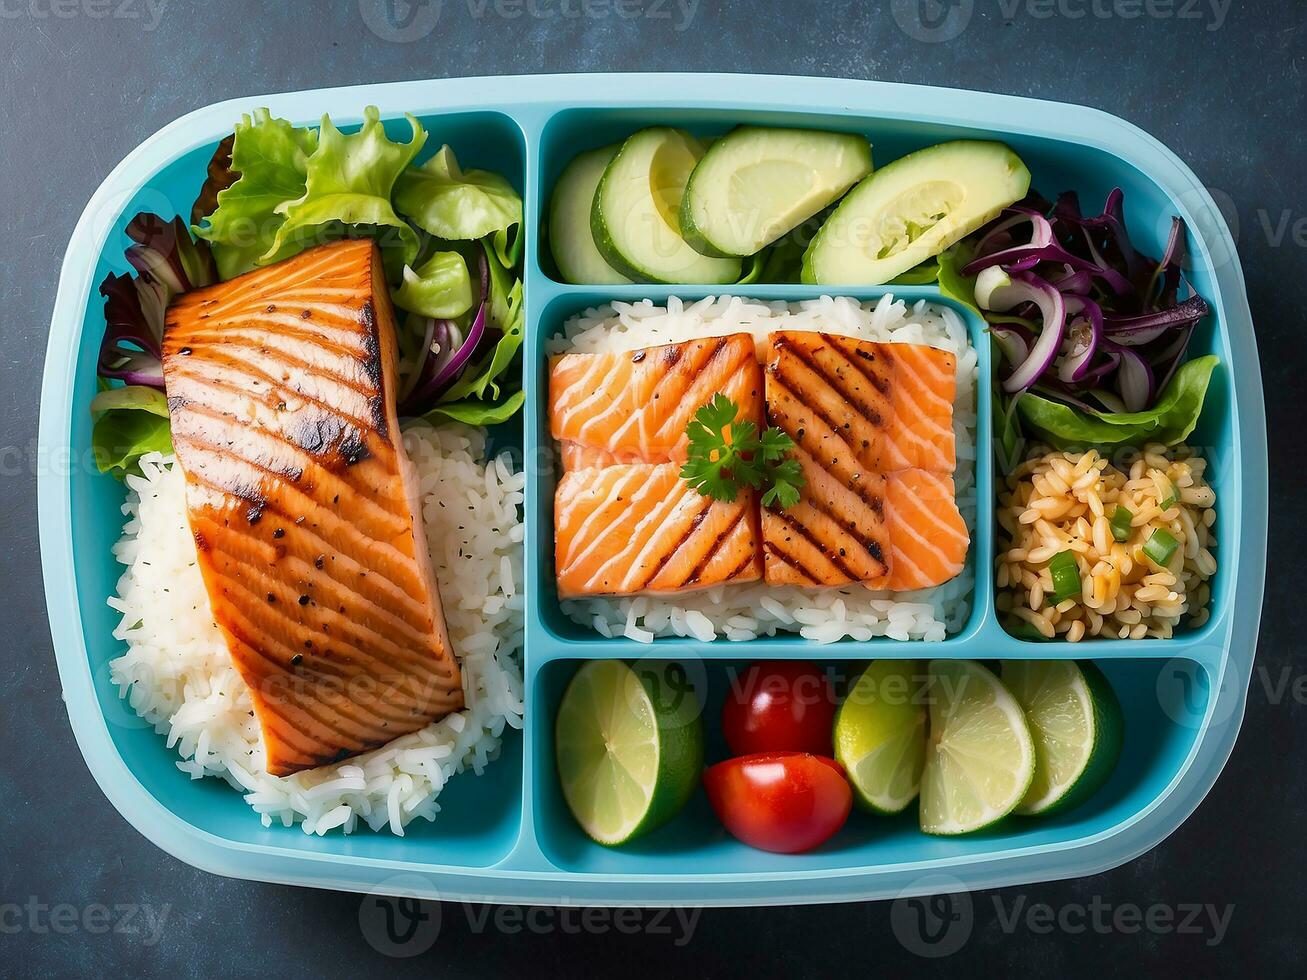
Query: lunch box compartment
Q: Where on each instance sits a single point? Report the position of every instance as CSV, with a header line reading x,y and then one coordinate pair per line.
x,y
506,835
543,602
1163,704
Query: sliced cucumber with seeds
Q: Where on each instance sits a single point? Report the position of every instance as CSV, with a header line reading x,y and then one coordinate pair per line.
x,y
912,209
755,184
570,238
635,217
1076,722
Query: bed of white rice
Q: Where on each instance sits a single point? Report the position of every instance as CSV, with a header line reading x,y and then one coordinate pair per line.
x,y
178,675
749,611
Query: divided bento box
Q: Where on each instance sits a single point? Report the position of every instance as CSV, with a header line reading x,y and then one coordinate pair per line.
x,y
507,835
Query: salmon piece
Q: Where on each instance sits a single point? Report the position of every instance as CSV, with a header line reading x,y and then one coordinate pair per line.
x,y
927,533
921,423
863,417
634,406
859,406
834,535
637,527
304,505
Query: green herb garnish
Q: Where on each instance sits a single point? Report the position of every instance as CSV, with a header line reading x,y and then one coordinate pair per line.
x,y
725,454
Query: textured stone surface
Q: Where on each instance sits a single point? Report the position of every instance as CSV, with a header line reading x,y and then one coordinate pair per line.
x,y
81,83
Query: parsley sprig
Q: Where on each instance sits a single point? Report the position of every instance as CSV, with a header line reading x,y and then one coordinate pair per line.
x,y
727,453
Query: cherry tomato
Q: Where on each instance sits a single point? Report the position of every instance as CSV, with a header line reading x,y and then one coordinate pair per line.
x,y
787,802
780,706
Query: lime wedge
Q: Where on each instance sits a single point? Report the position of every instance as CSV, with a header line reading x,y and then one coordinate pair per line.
x,y
980,757
1075,720
629,746
880,735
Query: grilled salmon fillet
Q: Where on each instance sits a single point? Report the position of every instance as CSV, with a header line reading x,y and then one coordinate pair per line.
x,y
860,406
637,527
872,426
929,539
634,406
304,506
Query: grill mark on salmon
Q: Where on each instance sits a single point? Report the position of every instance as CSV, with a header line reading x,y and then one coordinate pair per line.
x,y
304,506
716,547
634,406
861,416
638,527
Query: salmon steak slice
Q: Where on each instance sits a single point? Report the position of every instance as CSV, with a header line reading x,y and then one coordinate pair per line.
x,y
638,527
304,506
862,406
634,406
928,536
872,425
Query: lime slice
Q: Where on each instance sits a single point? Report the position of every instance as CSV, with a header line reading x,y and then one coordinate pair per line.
x,y
629,746
1075,720
980,757
880,735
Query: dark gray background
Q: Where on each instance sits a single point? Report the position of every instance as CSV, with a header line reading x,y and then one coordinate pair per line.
x,y
1222,86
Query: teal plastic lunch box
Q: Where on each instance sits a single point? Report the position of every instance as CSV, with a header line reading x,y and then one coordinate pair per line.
x,y
506,835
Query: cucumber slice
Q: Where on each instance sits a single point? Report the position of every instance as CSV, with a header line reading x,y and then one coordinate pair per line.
x,y
570,238
636,214
912,209
755,184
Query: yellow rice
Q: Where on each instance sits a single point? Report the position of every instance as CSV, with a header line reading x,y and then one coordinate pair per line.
x,y
1064,502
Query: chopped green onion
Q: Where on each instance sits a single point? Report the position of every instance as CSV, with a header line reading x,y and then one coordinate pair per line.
x,y
1171,497
1066,576
1121,519
1160,546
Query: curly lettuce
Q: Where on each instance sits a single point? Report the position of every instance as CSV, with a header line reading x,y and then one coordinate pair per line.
x,y
299,187
460,205
271,158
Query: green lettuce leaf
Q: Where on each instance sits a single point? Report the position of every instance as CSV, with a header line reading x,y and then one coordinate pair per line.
x,y
440,287
505,313
477,412
919,275
271,157
131,421
1170,421
348,186
454,204
952,283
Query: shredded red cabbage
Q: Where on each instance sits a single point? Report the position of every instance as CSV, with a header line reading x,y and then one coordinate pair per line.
x,y
1107,315
167,261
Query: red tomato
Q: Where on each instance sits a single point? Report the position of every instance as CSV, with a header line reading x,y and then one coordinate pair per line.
x,y
787,802
780,706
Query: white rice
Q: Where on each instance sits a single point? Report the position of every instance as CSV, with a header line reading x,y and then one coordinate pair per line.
x,y
748,611
178,675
